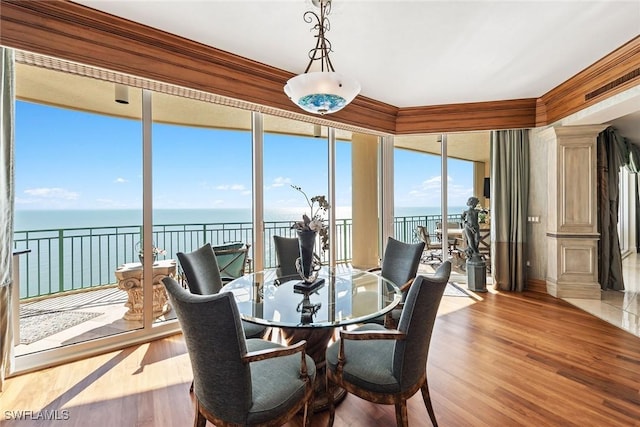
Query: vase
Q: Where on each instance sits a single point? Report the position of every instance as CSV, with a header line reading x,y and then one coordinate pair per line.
x,y
141,258
305,264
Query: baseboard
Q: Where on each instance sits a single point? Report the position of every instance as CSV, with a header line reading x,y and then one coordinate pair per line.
x,y
537,285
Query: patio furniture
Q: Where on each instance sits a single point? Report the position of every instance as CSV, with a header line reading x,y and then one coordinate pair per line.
x,y
233,259
432,250
454,235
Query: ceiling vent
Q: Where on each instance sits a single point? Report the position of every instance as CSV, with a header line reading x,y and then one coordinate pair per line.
x,y
613,84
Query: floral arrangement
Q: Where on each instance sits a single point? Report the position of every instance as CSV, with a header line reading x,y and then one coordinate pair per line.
x,y
315,222
155,250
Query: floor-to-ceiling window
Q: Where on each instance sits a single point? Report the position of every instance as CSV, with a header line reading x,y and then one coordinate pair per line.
x,y
421,177
202,180
132,158
295,171
78,206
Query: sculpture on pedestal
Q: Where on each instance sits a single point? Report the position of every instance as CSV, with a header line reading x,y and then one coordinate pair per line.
x,y
471,228
476,266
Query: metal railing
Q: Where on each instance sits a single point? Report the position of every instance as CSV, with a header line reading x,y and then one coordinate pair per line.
x,y
79,258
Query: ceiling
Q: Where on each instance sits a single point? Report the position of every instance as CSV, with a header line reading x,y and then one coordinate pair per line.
x,y
412,53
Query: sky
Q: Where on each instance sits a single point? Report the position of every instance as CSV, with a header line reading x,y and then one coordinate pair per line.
x,y
67,159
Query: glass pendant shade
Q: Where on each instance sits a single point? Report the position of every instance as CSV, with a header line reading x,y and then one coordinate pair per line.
x,y
322,92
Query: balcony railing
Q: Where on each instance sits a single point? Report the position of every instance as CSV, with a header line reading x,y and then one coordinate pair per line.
x,y
69,259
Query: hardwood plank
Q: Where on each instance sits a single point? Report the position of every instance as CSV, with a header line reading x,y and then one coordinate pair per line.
x,y
504,359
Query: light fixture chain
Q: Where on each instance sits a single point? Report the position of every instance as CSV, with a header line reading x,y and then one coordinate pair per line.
x,y
323,46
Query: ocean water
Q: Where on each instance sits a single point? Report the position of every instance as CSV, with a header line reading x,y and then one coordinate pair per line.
x,y
54,219
88,255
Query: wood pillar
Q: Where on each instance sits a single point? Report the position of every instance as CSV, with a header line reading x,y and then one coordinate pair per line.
x,y
364,201
572,234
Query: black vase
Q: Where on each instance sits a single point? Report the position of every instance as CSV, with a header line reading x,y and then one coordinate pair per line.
x,y
307,242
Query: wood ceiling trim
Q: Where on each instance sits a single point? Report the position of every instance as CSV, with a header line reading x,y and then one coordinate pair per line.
x,y
510,114
569,97
76,33
73,32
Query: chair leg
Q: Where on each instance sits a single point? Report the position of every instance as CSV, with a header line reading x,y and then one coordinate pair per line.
x,y
427,402
305,415
200,420
401,414
330,402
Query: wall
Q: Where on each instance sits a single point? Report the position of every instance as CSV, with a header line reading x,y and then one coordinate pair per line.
x,y
538,194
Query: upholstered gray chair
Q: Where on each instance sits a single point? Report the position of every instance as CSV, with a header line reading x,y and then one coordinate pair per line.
x,y
201,271
400,265
388,366
287,251
239,381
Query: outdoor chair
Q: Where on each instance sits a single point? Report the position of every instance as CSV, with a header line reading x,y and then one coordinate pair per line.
x,y
388,366
432,250
452,241
239,381
232,259
399,265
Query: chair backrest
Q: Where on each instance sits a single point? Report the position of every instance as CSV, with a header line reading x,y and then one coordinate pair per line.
x,y
287,251
201,270
232,259
417,320
423,235
215,342
401,260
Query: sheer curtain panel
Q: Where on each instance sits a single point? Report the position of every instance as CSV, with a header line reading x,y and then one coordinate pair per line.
x,y
6,209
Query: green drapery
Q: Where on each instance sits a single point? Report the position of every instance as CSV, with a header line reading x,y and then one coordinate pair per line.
x,y
7,85
614,152
509,205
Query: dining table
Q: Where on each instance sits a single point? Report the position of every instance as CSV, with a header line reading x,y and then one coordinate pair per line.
x,y
311,312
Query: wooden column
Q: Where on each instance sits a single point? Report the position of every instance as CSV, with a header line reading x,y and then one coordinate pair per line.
x,y
365,200
572,236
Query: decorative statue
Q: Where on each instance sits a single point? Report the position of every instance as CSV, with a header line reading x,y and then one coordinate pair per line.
x,y
471,228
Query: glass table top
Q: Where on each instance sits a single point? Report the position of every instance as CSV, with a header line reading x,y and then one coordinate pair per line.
x,y
341,298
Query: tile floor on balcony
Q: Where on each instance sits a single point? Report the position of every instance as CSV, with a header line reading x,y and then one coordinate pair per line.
x,y
107,304
619,308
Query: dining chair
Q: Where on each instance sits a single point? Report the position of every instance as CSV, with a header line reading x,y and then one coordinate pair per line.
x,y
388,366
287,251
400,264
201,271
239,381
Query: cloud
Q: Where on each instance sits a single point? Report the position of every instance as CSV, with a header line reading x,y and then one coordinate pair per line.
x,y
280,182
52,193
120,180
231,187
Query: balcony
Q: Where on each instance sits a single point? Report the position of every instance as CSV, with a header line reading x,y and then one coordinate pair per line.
x,y
68,290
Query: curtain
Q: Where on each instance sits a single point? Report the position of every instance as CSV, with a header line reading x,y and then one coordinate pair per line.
x,y
7,85
637,201
610,157
510,193
613,153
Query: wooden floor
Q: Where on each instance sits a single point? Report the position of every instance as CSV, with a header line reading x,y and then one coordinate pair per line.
x,y
499,360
